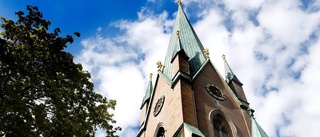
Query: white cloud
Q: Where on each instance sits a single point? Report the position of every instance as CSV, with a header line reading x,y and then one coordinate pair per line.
x,y
275,55
120,64
286,15
235,5
99,29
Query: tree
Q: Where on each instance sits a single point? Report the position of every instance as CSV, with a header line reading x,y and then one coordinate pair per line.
x,y
42,91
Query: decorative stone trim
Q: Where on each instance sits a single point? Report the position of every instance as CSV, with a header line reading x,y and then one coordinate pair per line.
x,y
215,92
158,106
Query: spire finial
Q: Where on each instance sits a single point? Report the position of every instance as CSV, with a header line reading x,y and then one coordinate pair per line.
x,y
224,57
159,65
178,34
150,76
206,53
179,3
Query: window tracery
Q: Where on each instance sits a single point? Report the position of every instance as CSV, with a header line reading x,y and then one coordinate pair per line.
x,y
221,127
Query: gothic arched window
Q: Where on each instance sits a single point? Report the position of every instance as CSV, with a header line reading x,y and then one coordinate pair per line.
x,y
221,127
160,132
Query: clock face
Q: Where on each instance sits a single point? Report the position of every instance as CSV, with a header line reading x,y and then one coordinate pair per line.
x,y
215,92
158,106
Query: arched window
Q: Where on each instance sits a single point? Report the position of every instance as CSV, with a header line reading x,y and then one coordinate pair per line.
x,y
160,132
221,127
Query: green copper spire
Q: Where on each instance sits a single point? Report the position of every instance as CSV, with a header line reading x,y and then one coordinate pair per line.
x,y
148,91
184,38
257,131
230,76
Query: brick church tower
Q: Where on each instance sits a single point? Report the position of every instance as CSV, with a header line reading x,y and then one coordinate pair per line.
x,y
190,98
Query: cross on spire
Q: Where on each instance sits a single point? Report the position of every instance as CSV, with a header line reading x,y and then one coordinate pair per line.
x,y
150,76
223,57
179,3
206,53
178,34
159,65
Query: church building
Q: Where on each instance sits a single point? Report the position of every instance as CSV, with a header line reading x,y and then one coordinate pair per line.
x,y
190,98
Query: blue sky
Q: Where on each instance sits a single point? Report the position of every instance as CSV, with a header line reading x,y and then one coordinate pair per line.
x,y
272,46
82,15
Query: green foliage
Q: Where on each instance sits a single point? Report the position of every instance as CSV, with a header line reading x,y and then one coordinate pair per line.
x,y
42,91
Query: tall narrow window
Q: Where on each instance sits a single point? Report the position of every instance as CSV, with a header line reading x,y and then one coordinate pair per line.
x,y
160,132
221,127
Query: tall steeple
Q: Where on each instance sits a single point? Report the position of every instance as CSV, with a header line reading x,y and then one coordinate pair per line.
x,y
230,76
148,91
187,40
235,84
145,105
190,97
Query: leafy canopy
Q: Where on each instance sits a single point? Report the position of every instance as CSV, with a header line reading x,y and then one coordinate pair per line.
x,y
42,91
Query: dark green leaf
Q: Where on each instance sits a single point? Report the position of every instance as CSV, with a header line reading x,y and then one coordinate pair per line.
x,y
42,91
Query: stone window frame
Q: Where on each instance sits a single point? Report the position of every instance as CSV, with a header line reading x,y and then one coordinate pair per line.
x,y
159,126
231,125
